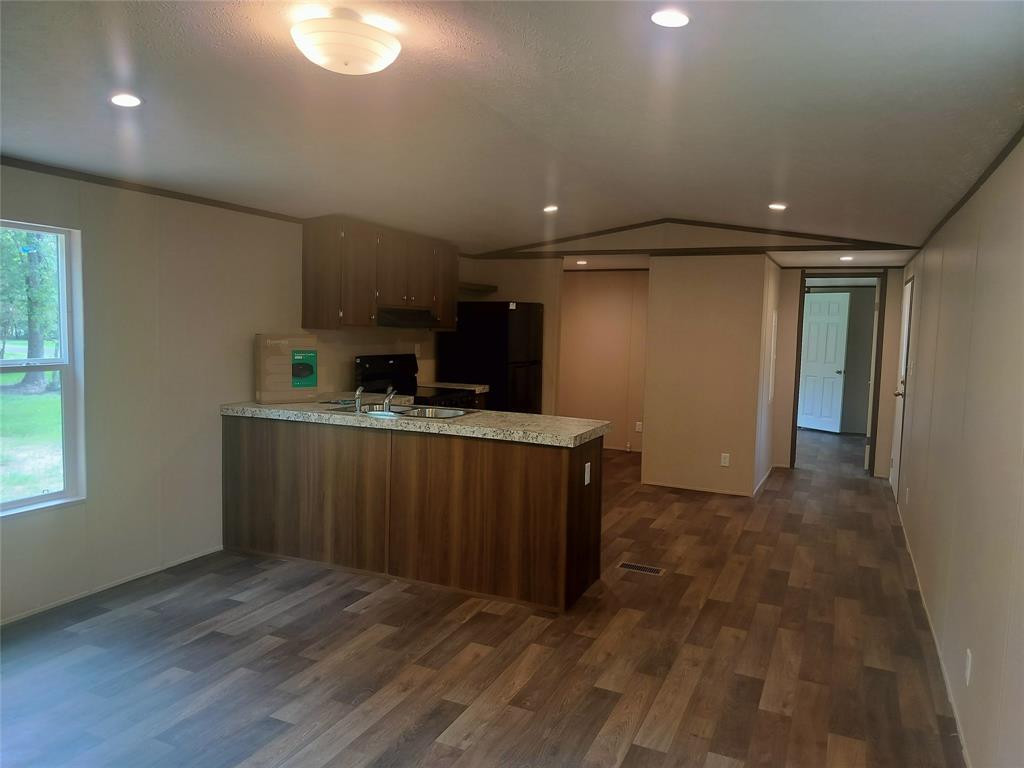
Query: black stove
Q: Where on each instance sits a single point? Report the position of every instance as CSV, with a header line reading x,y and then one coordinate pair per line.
x,y
375,373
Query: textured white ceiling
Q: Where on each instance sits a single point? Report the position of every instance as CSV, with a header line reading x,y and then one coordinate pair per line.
x,y
870,119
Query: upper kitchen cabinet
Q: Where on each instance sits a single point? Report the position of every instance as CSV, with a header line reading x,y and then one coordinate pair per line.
x,y
421,277
406,270
339,273
392,268
447,259
352,267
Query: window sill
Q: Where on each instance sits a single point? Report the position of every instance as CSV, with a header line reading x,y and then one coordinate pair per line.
x,y
63,501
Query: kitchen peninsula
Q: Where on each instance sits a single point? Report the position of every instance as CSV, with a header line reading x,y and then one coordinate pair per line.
x,y
499,504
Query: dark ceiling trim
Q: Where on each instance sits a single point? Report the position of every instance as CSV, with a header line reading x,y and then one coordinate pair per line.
x,y
867,244
721,250
842,243
107,181
989,170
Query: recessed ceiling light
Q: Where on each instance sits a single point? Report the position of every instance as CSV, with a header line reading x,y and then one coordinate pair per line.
x,y
777,206
550,208
846,258
670,17
125,100
582,262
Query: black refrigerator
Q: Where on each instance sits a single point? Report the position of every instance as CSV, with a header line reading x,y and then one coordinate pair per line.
x,y
498,343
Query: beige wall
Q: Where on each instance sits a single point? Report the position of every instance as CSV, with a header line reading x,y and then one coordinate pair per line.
x,y
601,365
769,359
963,458
173,293
704,339
785,369
538,280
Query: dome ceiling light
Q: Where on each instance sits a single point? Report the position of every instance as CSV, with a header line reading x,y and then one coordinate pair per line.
x,y
348,46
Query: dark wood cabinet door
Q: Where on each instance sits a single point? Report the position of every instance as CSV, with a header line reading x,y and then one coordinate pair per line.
x,y
481,515
392,268
316,491
359,273
422,271
322,246
447,285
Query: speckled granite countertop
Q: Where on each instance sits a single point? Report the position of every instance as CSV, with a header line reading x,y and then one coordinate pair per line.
x,y
559,431
477,388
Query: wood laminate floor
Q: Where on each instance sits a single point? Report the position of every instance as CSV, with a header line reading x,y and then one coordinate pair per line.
x,y
786,631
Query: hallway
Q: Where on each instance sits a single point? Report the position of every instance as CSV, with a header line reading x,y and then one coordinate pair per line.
x,y
830,453
786,631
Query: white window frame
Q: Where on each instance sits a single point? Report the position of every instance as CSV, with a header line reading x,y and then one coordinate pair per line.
x,y
70,365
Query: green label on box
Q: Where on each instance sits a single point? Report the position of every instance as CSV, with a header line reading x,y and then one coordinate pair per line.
x,y
303,368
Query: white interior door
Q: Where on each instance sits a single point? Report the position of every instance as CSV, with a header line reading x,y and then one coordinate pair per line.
x,y
822,360
897,426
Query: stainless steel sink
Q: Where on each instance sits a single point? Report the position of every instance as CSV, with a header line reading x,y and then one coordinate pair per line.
x,y
377,410
435,413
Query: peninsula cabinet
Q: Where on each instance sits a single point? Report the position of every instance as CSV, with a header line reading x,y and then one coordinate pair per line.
x,y
512,520
352,267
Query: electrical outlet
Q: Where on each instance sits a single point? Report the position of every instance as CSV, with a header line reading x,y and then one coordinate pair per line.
x,y
967,668
725,460
586,473
639,426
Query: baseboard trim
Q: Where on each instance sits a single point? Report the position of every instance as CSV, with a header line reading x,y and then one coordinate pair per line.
x,y
757,488
938,653
115,583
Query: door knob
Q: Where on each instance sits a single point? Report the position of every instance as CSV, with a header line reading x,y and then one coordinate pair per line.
x,y
839,372
897,394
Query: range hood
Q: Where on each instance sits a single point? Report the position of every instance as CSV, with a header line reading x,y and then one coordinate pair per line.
x,y
397,317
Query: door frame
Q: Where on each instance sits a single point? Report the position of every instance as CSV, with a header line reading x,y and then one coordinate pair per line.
x,y
882,274
903,404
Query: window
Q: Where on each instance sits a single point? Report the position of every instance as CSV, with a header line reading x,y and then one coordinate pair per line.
x,y
41,455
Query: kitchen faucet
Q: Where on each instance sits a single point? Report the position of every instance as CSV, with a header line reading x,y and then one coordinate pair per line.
x,y
389,397
359,399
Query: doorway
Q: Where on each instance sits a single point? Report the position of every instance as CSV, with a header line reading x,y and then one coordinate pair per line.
x,y
901,390
840,326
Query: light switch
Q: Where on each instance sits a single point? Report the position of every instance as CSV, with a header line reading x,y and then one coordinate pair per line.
x,y
639,426
725,459
586,473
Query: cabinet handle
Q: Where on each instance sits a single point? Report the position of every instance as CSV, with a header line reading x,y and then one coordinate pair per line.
x,y
404,298
341,313
373,316
377,293
412,298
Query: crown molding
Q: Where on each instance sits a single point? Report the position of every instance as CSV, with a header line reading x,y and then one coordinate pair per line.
x,y
108,181
823,242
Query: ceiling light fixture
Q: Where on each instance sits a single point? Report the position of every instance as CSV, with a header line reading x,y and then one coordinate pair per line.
x,y
125,100
846,258
550,208
777,206
346,46
582,262
670,17
382,22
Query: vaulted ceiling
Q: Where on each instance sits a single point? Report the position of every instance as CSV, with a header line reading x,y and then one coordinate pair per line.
x,y
869,119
